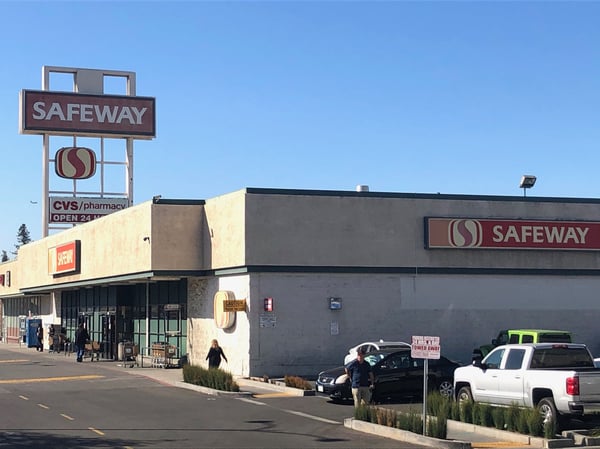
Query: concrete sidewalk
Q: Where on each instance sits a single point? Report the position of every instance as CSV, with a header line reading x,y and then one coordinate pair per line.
x,y
167,376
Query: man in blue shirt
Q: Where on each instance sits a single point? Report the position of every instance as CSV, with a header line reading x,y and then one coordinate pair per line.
x,y
361,375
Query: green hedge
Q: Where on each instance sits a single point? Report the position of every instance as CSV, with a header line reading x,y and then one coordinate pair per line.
x,y
214,378
440,408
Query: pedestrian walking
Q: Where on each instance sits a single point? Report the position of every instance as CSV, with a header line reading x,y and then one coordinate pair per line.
x,y
51,345
214,355
40,338
361,375
81,338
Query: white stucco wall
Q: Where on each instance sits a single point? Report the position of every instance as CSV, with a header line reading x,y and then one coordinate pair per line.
x,y
202,329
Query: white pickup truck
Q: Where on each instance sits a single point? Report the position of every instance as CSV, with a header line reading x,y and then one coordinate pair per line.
x,y
560,379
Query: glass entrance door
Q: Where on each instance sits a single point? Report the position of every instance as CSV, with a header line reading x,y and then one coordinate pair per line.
x,y
108,345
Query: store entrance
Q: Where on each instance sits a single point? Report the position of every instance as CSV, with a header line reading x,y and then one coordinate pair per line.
x,y
108,343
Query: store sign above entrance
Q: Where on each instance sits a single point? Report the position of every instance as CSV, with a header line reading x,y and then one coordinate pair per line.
x,y
47,112
476,233
64,259
234,305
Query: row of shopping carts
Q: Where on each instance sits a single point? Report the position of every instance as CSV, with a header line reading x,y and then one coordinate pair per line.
x,y
158,355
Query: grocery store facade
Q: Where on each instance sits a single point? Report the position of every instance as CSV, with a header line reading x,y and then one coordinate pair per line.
x,y
287,280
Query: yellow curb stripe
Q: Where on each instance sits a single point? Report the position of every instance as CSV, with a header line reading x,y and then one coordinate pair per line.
x,y
96,431
272,395
497,444
14,361
49,379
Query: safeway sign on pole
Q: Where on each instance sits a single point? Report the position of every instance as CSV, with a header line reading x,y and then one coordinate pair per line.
x,y
425,347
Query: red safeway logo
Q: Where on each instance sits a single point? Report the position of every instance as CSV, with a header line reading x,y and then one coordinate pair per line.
x,y
75,163
465,233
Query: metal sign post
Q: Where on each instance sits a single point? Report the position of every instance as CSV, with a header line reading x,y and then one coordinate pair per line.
x,y
425,348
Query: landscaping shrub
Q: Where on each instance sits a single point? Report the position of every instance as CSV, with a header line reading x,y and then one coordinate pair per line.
x,y
386,417
363,413
466,411
475,413
435,401
297,382
437,426
439,408
521,423
410,421
498,417
485,415
436,404
455,411
516,419
535,422
550,430
214,378
511,415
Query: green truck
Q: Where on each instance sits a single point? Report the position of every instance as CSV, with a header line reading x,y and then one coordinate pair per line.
x,y
518,336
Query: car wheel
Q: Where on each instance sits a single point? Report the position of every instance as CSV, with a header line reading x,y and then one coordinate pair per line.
x,y
445,388
464,395
550,416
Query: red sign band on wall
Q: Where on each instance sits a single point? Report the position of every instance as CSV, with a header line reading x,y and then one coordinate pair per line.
x,y
477,233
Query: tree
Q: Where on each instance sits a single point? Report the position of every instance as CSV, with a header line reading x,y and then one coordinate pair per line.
x,y
4,256
23,238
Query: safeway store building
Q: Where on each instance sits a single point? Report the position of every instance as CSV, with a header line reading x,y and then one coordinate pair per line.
x,y
286,280
310,273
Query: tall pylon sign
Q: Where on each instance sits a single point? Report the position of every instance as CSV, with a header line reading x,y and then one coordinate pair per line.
x,y
88,139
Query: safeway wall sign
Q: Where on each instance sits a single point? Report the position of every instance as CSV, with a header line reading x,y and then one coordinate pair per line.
x,y
92,115
65,258
476,233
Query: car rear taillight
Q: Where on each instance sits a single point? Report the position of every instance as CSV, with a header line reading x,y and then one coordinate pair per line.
x,y
573,386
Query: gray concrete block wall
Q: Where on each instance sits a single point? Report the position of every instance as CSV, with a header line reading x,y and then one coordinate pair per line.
x,y
303,336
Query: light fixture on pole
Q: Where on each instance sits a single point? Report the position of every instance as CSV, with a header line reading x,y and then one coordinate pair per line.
x,y
527,182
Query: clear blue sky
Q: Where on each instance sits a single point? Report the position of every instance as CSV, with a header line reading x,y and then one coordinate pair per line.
x,y
450,97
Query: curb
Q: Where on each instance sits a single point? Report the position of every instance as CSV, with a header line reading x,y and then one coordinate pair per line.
x,y
279,386
415,438
404,435
504,435
206,390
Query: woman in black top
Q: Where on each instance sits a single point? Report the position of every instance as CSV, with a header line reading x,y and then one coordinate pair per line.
x,y
214,355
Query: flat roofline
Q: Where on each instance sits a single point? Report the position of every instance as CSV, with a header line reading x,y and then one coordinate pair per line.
x,y
176,201
427,196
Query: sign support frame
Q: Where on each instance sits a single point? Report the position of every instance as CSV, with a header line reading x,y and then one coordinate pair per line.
x,y
90,81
